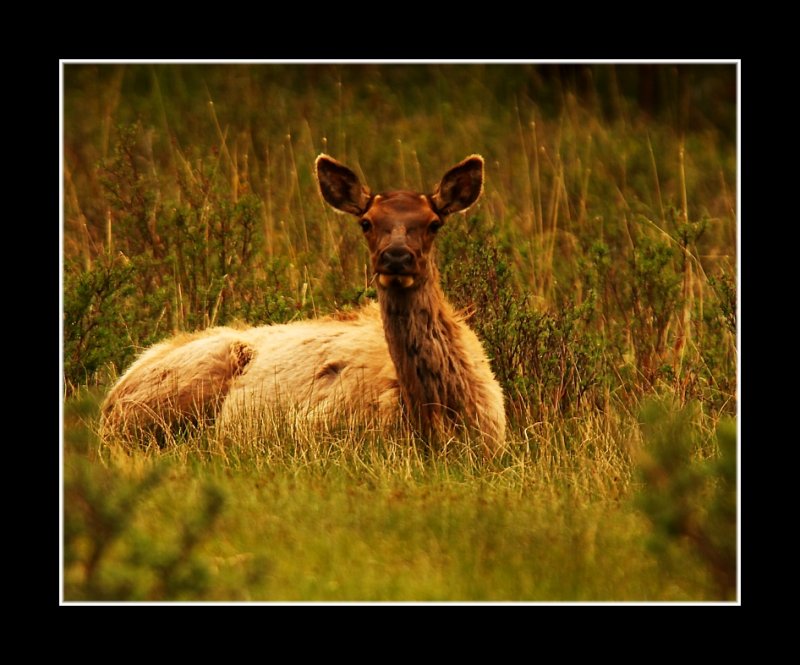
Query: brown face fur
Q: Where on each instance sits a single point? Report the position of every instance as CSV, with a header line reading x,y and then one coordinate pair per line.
x,y
400,226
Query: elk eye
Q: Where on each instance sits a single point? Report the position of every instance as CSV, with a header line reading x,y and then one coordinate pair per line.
x,y
433,227
365,224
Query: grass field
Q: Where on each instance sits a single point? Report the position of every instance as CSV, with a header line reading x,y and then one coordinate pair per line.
x,y
599,267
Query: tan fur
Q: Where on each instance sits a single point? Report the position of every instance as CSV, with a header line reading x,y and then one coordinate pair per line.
x,y
311,366
177,381
320,369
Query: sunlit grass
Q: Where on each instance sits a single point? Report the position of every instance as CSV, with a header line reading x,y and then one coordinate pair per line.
x,y
360,514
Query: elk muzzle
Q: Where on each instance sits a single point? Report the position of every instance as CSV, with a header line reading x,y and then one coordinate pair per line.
x,y
394,265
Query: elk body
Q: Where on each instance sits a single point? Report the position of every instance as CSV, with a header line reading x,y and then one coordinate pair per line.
x,y
412,356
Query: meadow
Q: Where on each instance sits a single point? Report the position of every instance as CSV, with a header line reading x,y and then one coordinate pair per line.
x,y
598,268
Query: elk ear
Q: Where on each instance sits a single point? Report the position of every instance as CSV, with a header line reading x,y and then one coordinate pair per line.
x,y
340,186
460,187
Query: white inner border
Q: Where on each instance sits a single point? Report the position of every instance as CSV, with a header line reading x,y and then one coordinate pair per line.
x,y
737,62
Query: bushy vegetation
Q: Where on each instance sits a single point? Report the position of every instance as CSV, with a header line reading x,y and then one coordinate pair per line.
x,y
598,268
690,492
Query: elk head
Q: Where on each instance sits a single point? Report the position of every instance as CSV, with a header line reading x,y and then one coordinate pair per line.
x,y
400,226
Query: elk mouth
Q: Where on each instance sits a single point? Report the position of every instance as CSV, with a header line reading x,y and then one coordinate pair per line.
x,y
403,281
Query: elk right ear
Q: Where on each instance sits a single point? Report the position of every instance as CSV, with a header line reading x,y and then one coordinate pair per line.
x,y
460,187
340,187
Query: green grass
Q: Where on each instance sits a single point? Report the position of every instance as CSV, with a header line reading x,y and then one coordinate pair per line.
x,y
360,515
600,267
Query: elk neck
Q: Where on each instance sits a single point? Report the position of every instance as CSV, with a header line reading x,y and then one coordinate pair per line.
x,y
424,335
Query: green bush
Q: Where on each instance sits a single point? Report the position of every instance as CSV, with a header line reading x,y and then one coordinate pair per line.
x,y
111,554
96,322
689,492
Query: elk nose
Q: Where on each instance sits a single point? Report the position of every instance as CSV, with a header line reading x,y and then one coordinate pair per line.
x,y
396,260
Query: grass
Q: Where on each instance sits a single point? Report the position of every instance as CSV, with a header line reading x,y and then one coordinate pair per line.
x,y
356,514
600,270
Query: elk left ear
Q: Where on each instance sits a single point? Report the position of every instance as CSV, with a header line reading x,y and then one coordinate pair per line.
x,y
460,187
340,187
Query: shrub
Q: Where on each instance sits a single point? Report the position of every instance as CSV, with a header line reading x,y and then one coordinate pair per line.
x,y
110,552
689,492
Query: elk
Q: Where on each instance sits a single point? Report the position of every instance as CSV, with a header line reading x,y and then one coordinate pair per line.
x,y
412,357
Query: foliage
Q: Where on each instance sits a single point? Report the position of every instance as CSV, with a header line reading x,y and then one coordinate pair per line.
x,y
545,360
95,320
109,554
691,502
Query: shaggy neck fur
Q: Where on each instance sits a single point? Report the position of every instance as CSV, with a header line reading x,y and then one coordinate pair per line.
x,y
424,336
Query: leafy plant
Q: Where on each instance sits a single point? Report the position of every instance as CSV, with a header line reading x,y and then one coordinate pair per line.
x,y
689,492
109,554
